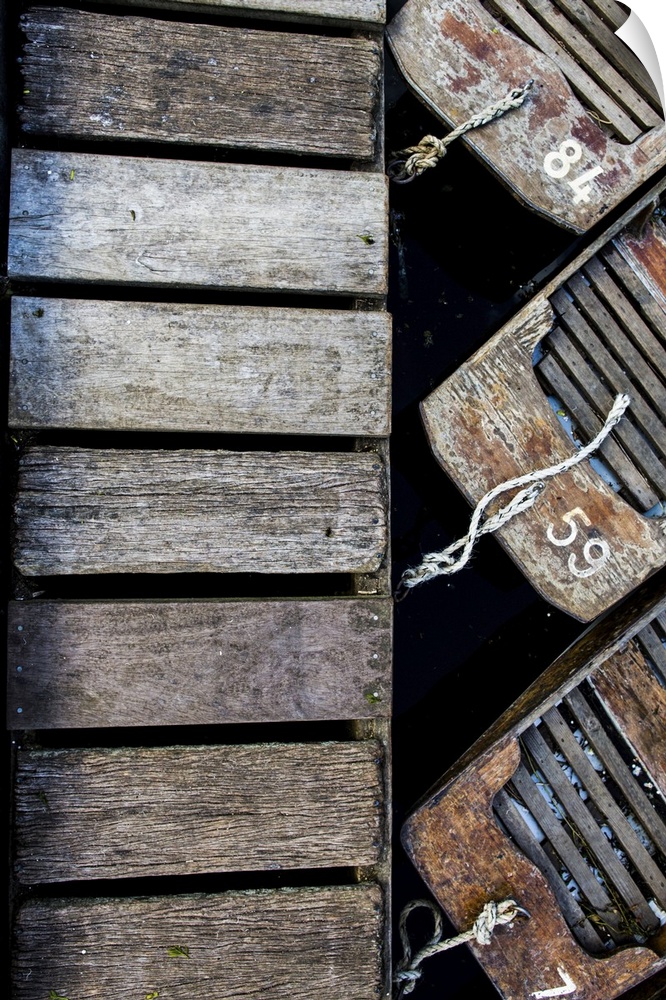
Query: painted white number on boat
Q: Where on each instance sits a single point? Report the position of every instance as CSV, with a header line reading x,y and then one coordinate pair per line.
x,y
558,162
558,991
592,545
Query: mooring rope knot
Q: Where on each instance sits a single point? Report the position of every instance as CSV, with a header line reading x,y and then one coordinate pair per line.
x,y
443,563
411,162
408,970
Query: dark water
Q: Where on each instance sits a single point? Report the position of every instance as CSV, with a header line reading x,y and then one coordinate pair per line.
x,y
463,256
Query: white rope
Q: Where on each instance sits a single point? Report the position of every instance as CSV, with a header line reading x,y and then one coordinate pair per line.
x,y
443,563
411,162
408,970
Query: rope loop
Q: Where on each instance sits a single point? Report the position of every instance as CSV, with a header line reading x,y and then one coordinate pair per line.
x,y
414,160
447,561
408,971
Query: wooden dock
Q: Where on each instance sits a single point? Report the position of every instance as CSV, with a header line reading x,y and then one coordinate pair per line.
x,y
199,652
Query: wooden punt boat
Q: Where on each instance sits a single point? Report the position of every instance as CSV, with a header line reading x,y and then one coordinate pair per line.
x,y
591,131
199,654
560,807
597,330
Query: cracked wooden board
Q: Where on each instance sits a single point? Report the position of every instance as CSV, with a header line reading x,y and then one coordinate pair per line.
x,y
137,511
458,836
82,664
555,152
582,545
123,813
110,365
172,223
284,944
97,76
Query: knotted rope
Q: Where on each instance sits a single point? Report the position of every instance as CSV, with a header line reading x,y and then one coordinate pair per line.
x,y
411,162
443,563
408,970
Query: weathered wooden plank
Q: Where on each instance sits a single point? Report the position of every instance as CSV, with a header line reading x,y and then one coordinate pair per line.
x,y
359,13
615,85
624,884
590,424
608,43
616,766
506,809
563,845
140,221
86,664
82,814
644,248
591,92
606,804
624,308
637,285
157,366
92,76
648,381
87,511
647,456
281,944
459,58
610,11
655,649
636,701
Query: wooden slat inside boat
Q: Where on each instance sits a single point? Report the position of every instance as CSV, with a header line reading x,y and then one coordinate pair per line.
x,y
542,387
200,385
560,806
592,128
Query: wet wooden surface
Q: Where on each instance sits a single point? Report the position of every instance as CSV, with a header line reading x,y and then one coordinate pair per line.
x,y
126,220
96,664
286,944
555,152
119,366
95,76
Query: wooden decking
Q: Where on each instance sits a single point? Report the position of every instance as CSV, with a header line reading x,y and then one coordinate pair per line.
x,y
200,379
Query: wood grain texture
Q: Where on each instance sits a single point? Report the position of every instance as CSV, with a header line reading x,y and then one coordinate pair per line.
x,y
458,58
347,13
86,664
490,422
82,814
225,369
521,833
605,750
607,42
636,702
141,221
95,76
608,807
605,89
467,860
282,944
86,511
